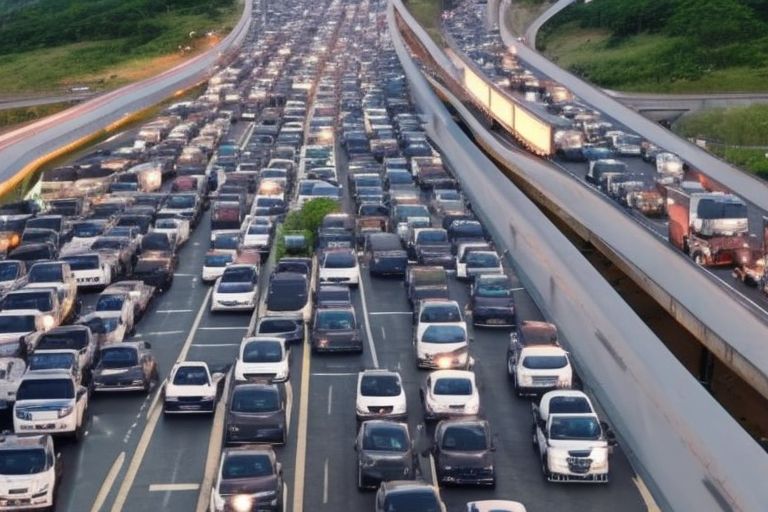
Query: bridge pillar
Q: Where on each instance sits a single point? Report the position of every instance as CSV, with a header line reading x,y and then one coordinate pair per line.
x,y
492,15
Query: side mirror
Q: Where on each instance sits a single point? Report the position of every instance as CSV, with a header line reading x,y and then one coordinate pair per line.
x,y
147,344
217,377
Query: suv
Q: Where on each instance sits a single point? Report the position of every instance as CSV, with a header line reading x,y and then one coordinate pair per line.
x,y
463,452
50,402
384,452
30,470
253,468
536,362
423,282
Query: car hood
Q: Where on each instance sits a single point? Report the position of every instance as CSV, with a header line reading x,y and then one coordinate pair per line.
x,y
494,302
247,485
109,372
29,482
466,459
173,390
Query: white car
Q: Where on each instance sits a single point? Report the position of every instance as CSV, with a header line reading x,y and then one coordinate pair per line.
x,y
380,394
175,228
191,388
29,474
237,289
450,393
117,305
476,263
339,266
441,331
258,233
262,357
215,263
50,402
91,269
495,506
227,240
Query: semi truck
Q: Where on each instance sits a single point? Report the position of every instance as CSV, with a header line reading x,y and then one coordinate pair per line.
x,y
710,227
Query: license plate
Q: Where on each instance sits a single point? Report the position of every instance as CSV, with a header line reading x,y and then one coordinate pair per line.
x,y
45,426
495,321
188,407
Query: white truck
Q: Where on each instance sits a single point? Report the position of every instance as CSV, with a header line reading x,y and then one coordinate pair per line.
x,y
573,444
536,362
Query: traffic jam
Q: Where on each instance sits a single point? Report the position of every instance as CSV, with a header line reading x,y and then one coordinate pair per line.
x,y
275,296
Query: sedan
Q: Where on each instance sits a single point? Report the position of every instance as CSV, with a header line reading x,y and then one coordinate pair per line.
x,y
339,266
237,289
249,479
263,357
127,366
449,393
256,413
336,329
191,389
176,228
384,452
492,302
215,263
463,452
380,394
106,328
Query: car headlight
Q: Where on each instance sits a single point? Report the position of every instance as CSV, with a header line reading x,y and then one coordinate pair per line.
x,y
564,381
242,503
137,382
23,415
265,494
48,322
65,411
41,492
210,398
367,462
525,379
171,398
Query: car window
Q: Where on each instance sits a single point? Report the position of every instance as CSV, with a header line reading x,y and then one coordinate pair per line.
x,y
335,320
251,400
390,439
118,357
465,438
380,385
246,466
263,352
191,376
452,386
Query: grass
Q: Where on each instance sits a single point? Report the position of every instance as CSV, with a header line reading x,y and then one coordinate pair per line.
x,y
428,14
739,135
111,63
632,64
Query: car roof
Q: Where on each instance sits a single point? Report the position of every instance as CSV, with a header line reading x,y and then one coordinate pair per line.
x,y
452,374
12,441
48,374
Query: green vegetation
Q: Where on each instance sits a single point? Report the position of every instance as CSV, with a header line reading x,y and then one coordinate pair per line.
x,y
14,116
428,14
663,45
738,135
305,222
53,44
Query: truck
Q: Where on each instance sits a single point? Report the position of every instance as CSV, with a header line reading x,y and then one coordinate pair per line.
x,y
710,227
536,363
752,264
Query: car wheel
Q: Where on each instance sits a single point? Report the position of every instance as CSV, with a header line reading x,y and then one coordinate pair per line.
x,y
510,368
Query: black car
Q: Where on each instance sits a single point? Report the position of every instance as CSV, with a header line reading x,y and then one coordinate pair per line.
x,y
336,330
430,246
126,366
426,282
408,496
249,479
332,295
157,261
492,301
288,293
256,413
385,255
384,452
463,452
289,329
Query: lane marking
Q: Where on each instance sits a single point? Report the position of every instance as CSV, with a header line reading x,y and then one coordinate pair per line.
x,y
228,328
382,313
173,487
321,374
157,333
215,442
205,345
109,481
155,399
330,398
432,470
149,428
371,346
650,503
184,275
383,333
174,311
325,482
301,435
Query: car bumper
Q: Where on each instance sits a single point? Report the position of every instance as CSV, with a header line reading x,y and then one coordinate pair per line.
x,y
493,318
101,386
447,262
26,503
64,425
601,478
482,478
338,346
266,435
395,416
218,306
197,407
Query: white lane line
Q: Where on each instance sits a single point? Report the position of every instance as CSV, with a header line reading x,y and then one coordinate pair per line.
x,y
205,345
325,482
174,311
288,406
432,470
517,289
371,345
383,334
214,448
322,374
301,434
173,487
157,396
650,503
228,328
184,275
149,428
109,481
330,398
381,313
157,333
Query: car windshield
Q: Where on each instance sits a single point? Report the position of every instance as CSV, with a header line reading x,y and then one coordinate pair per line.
x,y
101,325
246,466
545,362
238,275
341,259
452,386
335,320
190,376
385,439
273,326
110,302
569,404
8,270
40,300
470,438
575,427
178,202
437,313
263,352
444,334
497,287
75,340
118,357
431,236
50,360
45,389
380,385
255,400
46,274
26,461
155,242
17,323
226,241
87,229
713,209
421,500
468,229
258,229
82,262
218,260
482,259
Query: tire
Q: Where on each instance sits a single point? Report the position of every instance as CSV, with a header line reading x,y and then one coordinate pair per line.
x,y
510,368
698,259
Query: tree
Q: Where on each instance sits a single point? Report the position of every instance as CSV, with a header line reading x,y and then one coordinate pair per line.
x,y
715,22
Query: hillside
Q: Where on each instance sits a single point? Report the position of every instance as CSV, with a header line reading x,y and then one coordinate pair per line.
x,y
663,45
50,45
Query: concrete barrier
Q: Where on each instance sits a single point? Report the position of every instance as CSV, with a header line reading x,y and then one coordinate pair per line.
x,y
690,452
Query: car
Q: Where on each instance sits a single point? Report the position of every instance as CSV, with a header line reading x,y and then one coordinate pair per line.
x,y
19,331
157,261
55,274
259,233
385,255
249,478
289,295
215,263
186,205
430,246
106,327
237,289
127,366
191,388
11,371
408,496
141,294
495,506
380,394
384,452
449,393
463,453
289,329
117,304
91,269
263,357
332,295
536,362
478,262
335,330
13,275
492,302
71,337
426,282
256,413
176,228
121,252
339,266
30,470
50,402
43,300
44,360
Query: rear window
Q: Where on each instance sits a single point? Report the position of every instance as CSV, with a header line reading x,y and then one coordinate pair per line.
x,y
339,260
452,386
40,301
545,362
276,326
263,352
45,389
82,262
251,400
74,340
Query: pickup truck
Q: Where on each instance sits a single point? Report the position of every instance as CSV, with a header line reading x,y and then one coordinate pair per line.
x,y
536,362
